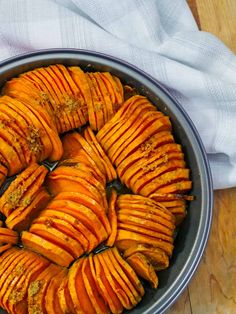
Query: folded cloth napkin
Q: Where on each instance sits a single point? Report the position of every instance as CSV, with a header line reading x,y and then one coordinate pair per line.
x,y
158,36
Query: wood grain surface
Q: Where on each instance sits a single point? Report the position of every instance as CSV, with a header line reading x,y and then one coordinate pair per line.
x,y
213,287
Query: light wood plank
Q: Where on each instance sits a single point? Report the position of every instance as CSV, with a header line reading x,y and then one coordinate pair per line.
x,y
217,17
213,289
182,305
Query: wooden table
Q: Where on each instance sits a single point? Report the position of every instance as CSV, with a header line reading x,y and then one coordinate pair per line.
x,y
213,287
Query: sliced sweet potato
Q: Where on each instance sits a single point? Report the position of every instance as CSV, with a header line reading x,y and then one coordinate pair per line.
x,y
50,233
105,287
90,286
125,111
65,227
91,139
129,272
46,248
84,214
8,236
117,132
137,129
125,239
148,152
4,248
157,257
107,91
116,282
29,92
88,202
98,102
83,234
37,288
11,282
112,216
164,215
21,220
175,176
143,178
177,187
47,88
145,231
146,220
26,190
143,268
130,289
77,289
152,126
18,301
13,194
80,79
51,293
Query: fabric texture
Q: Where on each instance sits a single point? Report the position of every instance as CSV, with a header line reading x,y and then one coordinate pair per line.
x,y
158,36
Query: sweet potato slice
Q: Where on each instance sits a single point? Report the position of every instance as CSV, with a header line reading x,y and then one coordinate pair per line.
x,y
76,137
152,149
80,80
18,300
84,214
143,268
65,94
83,174
8,236
164,215
51,293
129,272
130,289
46,248
143,178
98,102
175,176
50,233
157,257
14,164
146,220
11,197
65,227
76,101
47,88
22,220
105,287
126,238
108,93
177,187
134,130
37,138
88,202
77,289
116,133
17,272
21,198
116,282
28,91
91,139
90,286
84,235
112,216
4,248
153,125
14,140
38,287
144,231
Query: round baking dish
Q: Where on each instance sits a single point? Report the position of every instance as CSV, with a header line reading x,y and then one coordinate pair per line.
x,y
194,231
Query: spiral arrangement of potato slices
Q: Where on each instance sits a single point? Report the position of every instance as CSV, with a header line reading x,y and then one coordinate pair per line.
x,y
70,242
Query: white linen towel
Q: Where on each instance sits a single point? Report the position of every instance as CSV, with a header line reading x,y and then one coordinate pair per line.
x,y
158,36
